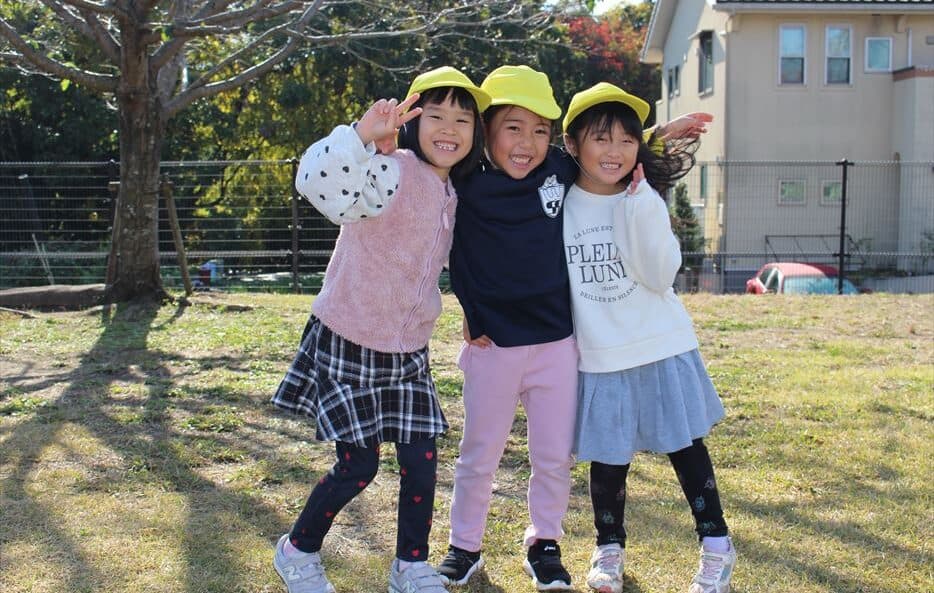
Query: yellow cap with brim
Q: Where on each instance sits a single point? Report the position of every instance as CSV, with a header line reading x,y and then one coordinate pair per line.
x,y
522,86
604,92
448,76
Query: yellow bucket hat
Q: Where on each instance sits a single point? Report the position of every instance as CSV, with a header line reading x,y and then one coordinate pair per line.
x,y
522,86
448,76
604,92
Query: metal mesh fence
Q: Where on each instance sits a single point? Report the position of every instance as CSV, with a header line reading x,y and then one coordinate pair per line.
x,y
243,228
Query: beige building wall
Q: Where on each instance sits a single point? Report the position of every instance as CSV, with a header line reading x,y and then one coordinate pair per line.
x,y
876,119
681,52
863,121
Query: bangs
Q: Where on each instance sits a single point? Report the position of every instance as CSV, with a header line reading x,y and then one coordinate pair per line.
x,y
440,95
601,118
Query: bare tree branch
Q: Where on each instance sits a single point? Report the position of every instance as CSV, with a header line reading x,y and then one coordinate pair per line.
x,y
203,88
107,7
105,40
70,18
87,24
93,80
257,11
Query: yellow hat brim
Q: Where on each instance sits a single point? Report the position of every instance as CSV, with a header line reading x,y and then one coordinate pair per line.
x,y
604,92
447,76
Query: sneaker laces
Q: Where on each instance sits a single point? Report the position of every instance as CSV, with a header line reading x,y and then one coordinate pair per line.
x,y
608,560
424,576
710,566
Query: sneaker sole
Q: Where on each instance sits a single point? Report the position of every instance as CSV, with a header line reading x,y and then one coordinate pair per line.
x,y
606,588
552,586
463,581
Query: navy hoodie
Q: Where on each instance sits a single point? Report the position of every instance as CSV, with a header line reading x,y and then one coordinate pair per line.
x,y
507,262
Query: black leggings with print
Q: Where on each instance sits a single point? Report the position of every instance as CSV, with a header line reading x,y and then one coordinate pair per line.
x,y
695,473
355,469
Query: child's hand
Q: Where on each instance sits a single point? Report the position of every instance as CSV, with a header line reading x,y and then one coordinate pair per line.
x,y
637,176
482,342
689,125
384,118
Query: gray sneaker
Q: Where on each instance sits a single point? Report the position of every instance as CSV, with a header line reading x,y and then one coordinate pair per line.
x,y
714,571
419,577
303,573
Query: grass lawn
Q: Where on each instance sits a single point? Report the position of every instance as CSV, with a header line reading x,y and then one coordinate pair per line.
x,y
138,453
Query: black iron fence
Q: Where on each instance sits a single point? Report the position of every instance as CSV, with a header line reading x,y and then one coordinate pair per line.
x,y
244,229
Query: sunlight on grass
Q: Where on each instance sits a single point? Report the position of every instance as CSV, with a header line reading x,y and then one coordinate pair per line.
x,y
145,439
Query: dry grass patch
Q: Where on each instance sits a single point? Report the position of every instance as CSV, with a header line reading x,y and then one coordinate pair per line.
x,y
138,451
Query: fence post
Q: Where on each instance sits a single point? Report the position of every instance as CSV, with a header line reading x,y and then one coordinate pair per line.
x,y
165,188
842,255
113,187
296,227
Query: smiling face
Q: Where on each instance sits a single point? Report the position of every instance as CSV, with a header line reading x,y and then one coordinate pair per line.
x,y
518,140
445,134
606,156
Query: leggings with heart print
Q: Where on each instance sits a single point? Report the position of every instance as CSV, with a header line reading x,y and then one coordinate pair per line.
x,y
354,470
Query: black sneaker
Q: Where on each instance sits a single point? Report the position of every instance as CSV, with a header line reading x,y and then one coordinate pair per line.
x,y
459,565
543,564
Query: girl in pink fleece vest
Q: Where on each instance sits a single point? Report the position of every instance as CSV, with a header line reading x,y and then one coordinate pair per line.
x,y
362,371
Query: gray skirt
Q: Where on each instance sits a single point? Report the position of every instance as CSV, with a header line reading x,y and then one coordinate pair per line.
x,y
659,407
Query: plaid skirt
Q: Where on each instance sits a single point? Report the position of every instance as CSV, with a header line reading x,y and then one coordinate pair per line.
x,y
359,395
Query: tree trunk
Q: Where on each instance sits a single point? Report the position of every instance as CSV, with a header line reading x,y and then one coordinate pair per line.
x,y
136,220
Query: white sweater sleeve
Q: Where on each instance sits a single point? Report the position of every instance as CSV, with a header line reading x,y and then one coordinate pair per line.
x,y
649,250
345,180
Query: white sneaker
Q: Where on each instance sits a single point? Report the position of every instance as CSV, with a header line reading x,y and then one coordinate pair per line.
x,y
301,573
606,568
419,577
714,572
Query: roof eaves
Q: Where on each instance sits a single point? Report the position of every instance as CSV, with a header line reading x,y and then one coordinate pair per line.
x,y
859,6
659,25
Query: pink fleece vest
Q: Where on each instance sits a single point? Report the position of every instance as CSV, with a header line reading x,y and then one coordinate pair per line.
x,y
381,286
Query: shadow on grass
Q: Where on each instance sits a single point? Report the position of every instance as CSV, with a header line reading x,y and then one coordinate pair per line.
x,y
148,446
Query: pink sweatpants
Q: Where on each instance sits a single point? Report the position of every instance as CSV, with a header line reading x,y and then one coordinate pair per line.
x,y
544,378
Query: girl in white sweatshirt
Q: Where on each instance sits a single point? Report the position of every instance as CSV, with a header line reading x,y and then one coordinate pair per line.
x,y
642,385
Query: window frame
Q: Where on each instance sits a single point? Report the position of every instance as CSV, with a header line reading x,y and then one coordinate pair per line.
x,y
824,184
803,56
704,63
866,67
828,57
804,194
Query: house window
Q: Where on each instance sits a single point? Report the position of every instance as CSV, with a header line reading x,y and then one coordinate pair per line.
x,y
878,54
671,83
791,54
838,54
703,182
677,80
791,192
831,193
705,62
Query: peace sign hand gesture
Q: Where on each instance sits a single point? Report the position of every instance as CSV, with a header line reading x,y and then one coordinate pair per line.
x,y
384,118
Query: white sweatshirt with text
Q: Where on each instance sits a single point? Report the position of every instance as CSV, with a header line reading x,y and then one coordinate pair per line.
x,y
622,260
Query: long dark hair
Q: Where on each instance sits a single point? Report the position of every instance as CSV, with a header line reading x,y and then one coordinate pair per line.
x,y
408,135
663,169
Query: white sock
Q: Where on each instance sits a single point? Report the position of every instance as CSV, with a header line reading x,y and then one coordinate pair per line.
x,y
404,564
291,551
720,545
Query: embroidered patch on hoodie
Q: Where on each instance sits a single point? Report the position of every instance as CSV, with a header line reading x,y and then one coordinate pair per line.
x,y
552,195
